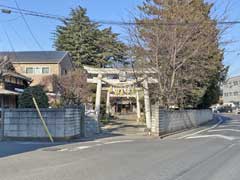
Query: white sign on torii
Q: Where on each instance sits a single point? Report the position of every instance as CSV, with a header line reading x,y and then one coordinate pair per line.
x,y
121,82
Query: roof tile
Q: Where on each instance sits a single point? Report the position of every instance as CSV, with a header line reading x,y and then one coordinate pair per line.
x,y
35,56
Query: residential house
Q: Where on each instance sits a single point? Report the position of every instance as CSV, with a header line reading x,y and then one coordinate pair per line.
x,y
12,83
38,65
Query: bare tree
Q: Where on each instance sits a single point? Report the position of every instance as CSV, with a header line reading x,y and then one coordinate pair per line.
x,y
179,43
72,87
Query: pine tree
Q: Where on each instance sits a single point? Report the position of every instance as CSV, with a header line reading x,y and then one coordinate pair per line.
x,y
87,44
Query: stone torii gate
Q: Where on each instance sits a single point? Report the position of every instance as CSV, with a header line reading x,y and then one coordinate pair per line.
x,y
125,79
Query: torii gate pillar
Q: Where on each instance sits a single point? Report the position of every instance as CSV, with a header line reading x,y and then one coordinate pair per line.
x,y
138,107
98,97
147,104
108,106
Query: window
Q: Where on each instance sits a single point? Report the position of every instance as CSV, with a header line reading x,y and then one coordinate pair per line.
x,y
225,94
45,70
37,70
13,80
235,93
29,70
7,79
19,81
1,85
230,94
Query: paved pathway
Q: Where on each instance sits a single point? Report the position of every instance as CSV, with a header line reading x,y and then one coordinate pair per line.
x,y
125,125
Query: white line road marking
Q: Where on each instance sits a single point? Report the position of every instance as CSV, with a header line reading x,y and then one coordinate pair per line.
x,y
229,125
74,149
219,130
63,150
115,142
98,145
231,138
83,147
207,129
233,122
80,148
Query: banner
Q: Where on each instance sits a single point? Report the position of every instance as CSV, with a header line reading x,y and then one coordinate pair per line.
x,y
122,91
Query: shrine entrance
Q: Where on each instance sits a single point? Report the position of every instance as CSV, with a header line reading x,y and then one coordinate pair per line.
x,y
123,93
124,105
123,100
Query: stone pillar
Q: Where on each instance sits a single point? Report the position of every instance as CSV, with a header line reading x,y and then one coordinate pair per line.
x,y
108,107
98,96
155,115
138,107
147,104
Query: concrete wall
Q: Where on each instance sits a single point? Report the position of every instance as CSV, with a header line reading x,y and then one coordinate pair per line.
x,y
91,125
171,121
25,123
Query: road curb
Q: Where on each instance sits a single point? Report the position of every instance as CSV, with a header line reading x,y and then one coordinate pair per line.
x,y
194,129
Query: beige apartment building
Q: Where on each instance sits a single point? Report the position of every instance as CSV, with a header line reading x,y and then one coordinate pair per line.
x,y
231,91
39,65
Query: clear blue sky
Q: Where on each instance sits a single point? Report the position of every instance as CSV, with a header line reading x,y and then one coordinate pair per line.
x,y
97,10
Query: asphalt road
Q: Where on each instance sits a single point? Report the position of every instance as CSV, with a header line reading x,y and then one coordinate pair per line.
x,y
209,153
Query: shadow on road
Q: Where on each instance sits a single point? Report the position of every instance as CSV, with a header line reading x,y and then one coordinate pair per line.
x,y
8,148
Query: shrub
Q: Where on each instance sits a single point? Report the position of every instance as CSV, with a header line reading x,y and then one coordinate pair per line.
x,y
73,88
25,99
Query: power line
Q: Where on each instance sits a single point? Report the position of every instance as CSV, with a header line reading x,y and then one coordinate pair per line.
x,y
9,40
28,27
29,12
18,36
10,9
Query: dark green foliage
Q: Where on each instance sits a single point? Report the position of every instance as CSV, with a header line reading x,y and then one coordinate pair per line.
x,y
25,99
213,91
87,44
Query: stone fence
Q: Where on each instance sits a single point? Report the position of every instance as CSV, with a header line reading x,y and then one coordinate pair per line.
x,y
65,123
164,121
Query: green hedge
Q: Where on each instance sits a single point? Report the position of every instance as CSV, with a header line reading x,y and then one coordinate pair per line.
x,y
25,99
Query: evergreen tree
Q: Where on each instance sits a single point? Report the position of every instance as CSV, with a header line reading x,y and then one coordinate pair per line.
x,y
25,99
87,44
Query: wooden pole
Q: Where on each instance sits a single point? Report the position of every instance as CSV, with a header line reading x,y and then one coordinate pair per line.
x,y
42,120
